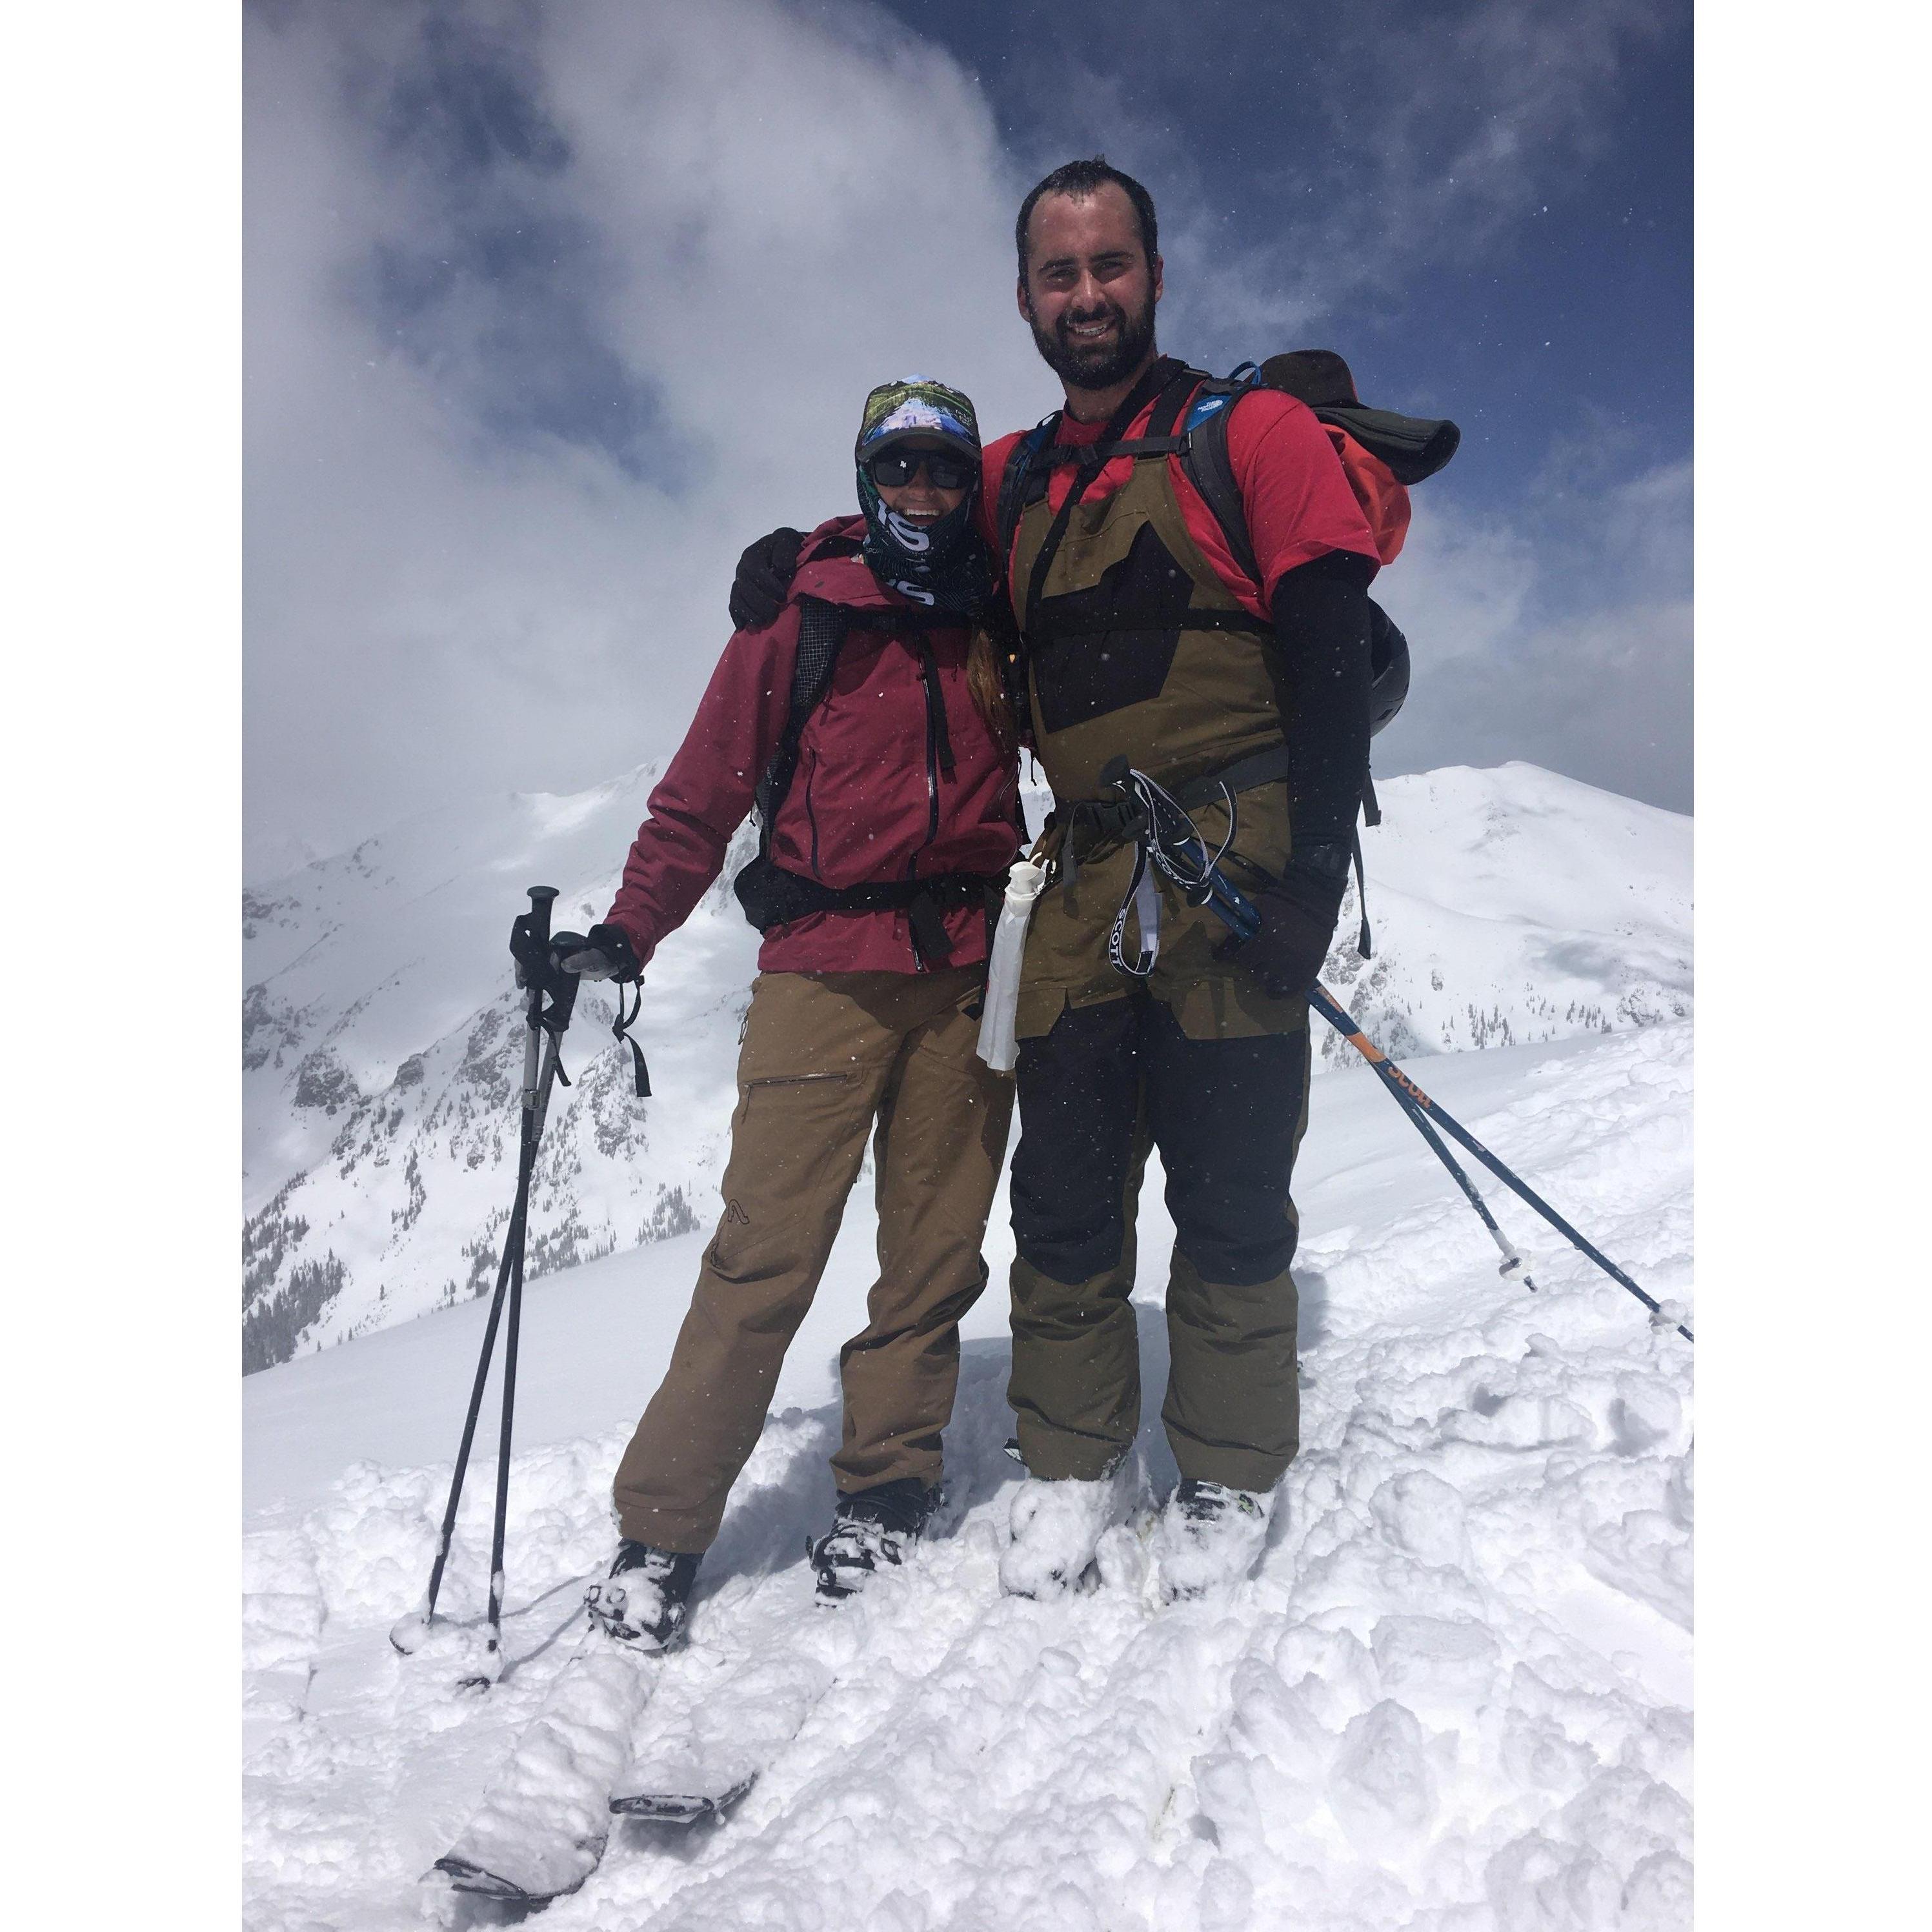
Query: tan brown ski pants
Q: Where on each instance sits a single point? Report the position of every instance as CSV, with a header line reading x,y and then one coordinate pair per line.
x,y
829,1060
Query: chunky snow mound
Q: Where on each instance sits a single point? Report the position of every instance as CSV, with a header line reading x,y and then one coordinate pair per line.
x,y
382,1042
1453,1699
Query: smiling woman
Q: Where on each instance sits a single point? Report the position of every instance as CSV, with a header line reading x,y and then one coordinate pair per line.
x,y
918,456
859,726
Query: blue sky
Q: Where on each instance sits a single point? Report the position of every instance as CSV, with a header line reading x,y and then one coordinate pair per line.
x,y
550,309
1555,303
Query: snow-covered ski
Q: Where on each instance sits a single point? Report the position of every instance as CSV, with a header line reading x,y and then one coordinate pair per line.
x,y
707,1743
543,1822
681,1808
466,1877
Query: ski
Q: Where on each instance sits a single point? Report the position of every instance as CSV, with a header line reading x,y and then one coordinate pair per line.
x,y
472,1878
681,1808
707,1744
541,1828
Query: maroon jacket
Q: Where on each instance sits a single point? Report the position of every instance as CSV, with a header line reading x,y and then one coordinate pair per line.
x,y
868,803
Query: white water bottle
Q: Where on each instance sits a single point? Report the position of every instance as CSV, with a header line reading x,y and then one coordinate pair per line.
x,y
999,1046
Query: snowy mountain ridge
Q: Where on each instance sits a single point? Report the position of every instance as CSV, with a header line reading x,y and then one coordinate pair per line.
x,y
381,1041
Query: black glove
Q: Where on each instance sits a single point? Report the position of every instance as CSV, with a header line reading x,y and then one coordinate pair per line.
x,y
1298,914
602,953
763,581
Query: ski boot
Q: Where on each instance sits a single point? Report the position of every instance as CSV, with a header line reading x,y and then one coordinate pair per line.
x,y
644,1601
871,1529
1056,1530
1208,1538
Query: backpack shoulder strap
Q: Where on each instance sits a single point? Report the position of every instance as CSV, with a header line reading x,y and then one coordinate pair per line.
x,y
1024,483
821,632
1164,384
1204,461
1178,395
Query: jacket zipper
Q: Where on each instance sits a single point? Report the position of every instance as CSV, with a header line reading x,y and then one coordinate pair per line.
x,y
811,816
935,714
928,674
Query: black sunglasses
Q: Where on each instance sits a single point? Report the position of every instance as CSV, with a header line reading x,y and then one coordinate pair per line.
x,y
893,468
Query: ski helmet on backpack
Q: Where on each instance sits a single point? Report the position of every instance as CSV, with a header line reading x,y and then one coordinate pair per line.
x,y
1376,448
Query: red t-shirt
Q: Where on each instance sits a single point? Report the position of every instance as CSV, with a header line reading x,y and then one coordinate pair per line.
x,y
1299,502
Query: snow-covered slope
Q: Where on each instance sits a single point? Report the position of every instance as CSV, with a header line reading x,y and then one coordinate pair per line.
x,y
381,1043
1454,1698
1515,905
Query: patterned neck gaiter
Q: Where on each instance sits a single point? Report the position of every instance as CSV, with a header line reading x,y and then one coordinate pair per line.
x,y
944,565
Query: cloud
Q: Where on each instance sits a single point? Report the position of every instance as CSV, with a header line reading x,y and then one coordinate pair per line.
x,y
1564,638
550,310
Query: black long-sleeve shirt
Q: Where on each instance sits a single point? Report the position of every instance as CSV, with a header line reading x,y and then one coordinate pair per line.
x,y
1322,619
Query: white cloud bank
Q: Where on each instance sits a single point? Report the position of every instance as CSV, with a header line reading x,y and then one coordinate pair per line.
x,y
755,219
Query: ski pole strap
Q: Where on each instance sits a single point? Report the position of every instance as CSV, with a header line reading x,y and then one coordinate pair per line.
x,y
1156,819
1264,767
622,1031
1104,821
1371,814
536,951
1143,899
1178,851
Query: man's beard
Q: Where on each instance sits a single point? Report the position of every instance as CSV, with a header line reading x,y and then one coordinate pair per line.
x,y
1098,365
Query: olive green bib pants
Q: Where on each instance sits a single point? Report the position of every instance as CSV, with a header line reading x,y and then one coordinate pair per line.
x,y
1196,1059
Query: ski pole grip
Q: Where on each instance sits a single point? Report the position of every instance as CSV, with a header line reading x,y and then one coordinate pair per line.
x,y
540,898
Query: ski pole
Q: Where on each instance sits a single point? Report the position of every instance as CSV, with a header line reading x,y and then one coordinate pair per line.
x,y
536,1099
422,1620
1238,913
1419,1108
408,1633
1511,1267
